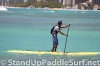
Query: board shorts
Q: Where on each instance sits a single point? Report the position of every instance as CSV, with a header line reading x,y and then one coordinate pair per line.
x,y
55,40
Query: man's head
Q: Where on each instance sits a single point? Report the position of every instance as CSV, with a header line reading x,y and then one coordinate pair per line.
x,y
59,23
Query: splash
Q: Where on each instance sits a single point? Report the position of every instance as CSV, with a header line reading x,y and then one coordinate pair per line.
x,y
3,8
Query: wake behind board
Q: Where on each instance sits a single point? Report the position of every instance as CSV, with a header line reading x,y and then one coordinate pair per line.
x,y
53,53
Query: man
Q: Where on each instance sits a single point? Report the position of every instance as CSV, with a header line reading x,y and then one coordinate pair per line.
x,y
54,34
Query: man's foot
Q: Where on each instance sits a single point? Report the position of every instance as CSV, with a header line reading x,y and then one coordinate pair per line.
x,y
51,50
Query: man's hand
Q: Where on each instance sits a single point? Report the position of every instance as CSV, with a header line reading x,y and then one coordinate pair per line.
x,y
66,34
68,25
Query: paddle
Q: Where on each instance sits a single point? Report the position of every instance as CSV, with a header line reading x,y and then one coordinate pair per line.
x,y
66,40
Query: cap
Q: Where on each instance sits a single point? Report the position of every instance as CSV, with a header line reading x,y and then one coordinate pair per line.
x,y
59,22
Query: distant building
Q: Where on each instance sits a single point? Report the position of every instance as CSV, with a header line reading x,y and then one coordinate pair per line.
x,y
73,2
25,0
80,1
50,0
19,1
14,1
60,0
38,0
96,2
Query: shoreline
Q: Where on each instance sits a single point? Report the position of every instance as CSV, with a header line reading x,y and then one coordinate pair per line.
x,y
51,8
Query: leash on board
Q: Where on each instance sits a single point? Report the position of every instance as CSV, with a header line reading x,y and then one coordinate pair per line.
x,y
66,40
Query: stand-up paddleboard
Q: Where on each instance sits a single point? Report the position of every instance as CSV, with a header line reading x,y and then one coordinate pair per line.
x,y
53,53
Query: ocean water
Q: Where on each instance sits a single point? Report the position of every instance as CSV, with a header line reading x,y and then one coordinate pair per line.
x,y
29,29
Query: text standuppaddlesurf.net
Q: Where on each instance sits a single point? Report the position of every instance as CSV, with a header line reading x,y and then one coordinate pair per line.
x,y
55,62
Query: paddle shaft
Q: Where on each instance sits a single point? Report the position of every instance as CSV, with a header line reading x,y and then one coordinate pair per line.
x,y
66,40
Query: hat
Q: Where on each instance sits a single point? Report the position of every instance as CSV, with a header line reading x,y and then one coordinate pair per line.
x,y
59,22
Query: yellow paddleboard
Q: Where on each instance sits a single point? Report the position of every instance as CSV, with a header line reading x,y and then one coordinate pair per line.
x,y
54,53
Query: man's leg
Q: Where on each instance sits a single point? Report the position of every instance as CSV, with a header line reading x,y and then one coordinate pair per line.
x,y
52,50
55,48
55,44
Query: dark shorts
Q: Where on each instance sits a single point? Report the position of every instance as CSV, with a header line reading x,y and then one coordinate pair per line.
x,y
55,40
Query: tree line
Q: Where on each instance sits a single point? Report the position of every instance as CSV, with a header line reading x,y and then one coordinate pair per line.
x,y
37,4
49,4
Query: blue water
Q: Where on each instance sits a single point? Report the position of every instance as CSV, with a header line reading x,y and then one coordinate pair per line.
x,y
29,29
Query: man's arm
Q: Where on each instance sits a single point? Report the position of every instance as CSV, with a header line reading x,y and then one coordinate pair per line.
x,y
65,26
63,33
